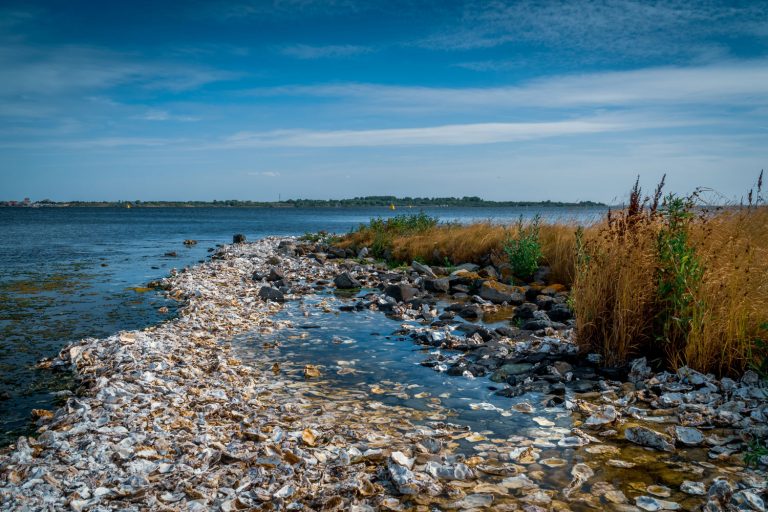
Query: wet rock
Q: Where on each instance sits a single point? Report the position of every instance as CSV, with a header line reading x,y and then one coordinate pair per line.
x,y
345,281
646,437
689,436
401,292
693,488
720,491
273,294
238,238
471,312
652,504
603,416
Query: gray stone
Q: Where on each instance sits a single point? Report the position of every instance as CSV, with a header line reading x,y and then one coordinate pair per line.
x,y
401,292
560,313
646,437
423,269
540,320
603,416
526,310
273,294
437,285
469,267
650,503
275,275
689,436
345,281
693,488
238,238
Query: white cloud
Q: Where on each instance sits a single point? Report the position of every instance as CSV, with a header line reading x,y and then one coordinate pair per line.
x,y
457,134
68,69
267,174
304,51
733,83
164,115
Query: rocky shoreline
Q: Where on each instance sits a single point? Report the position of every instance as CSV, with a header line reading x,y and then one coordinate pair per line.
x,y
169,419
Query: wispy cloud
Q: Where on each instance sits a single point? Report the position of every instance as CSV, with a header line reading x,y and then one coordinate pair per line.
x,y
266,174
41,70
164,115
457,134
738,82
304,51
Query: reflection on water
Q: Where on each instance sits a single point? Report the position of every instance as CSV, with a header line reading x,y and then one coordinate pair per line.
x,y
362,354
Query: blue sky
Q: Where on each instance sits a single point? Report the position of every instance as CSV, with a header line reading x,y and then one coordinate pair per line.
x,y
341,98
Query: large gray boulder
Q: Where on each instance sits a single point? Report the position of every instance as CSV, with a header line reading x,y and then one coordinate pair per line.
x,y
345,281
401,292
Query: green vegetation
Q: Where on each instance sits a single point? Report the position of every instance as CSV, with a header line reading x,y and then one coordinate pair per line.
x,y
679,271
524,248
670,279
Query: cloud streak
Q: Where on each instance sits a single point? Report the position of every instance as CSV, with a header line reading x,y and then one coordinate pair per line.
x,y
455,134
738,82
304,51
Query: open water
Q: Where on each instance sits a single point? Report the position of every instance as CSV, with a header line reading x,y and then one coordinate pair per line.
x,y
70,273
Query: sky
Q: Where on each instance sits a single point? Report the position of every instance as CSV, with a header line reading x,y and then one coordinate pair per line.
x,y
260,100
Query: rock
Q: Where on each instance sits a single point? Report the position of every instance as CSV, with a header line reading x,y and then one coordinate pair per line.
x,y
489,272
526,310
459,471
363,253
748,500
689,436
190,243
401,292
544,302
553,289
604,416
273,294
440,285
275,275
345,281
650,503
693,488
646,437
469,267
423,269
403,478
499,293
238,238
471,312
540,320
560,313
639,370
721,491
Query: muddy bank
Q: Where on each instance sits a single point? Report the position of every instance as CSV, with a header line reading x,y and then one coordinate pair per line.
x,y
169,419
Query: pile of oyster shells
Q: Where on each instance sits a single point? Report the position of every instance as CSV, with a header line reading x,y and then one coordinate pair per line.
x,y
169,419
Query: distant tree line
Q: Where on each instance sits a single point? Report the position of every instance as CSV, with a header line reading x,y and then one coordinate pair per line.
x,y
372,201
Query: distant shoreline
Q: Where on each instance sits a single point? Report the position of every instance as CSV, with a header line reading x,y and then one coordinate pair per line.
x,y
365,202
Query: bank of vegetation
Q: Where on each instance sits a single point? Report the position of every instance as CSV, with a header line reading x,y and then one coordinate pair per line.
x,y
665,277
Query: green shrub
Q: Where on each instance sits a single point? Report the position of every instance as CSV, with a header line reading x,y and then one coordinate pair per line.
x,y
524,249
679,274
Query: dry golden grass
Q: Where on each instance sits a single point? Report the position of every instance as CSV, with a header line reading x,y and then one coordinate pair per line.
x,y
733,293
614,275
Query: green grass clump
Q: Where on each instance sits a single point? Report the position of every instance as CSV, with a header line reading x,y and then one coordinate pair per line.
x,y
381,232
524,249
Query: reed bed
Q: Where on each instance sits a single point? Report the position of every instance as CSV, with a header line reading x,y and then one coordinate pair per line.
x,y
664,278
